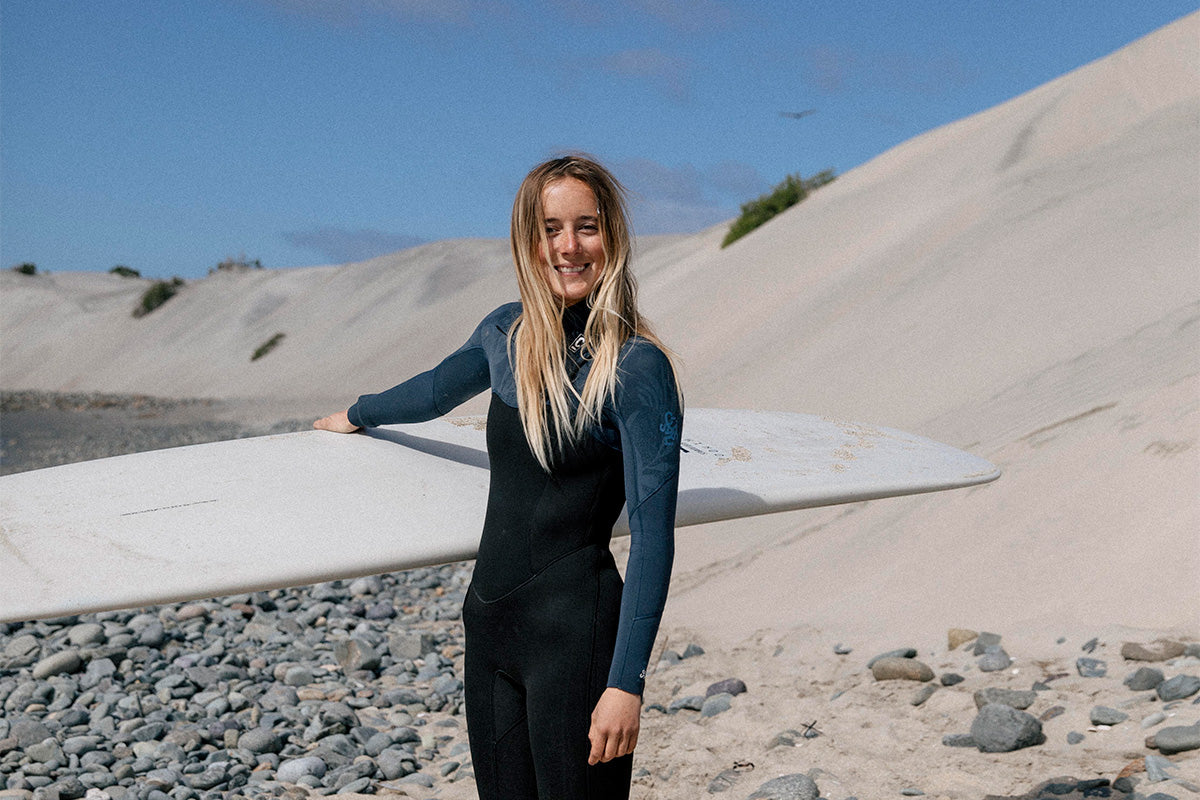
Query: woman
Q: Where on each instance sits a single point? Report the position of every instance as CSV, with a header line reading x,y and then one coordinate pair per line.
x,y
584,417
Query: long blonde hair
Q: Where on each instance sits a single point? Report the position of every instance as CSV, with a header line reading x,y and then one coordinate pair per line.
x,y
536,340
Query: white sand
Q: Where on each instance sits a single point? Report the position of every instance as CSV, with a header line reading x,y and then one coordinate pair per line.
x,y
1024,283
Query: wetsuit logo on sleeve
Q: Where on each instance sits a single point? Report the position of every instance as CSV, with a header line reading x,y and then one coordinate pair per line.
x,y
670,429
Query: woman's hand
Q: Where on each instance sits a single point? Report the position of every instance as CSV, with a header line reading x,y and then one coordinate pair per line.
x,y
615,723
338,423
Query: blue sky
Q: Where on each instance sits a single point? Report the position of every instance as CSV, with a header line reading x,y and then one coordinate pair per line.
x,y
166,135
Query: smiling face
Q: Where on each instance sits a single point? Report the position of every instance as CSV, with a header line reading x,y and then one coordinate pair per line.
x,y
573,258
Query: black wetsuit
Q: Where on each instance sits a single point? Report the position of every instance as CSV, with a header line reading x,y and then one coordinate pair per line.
x,y
548,623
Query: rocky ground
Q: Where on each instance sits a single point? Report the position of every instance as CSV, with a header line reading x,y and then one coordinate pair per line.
x,y
356,688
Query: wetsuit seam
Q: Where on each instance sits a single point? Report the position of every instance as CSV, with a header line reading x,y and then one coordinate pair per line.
x,y
532,577
434,383
501,674
648,497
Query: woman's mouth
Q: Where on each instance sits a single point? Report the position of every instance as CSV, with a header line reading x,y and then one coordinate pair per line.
x,y
571,269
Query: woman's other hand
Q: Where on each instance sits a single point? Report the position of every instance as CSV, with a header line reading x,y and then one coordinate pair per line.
x,y
338,423
615,723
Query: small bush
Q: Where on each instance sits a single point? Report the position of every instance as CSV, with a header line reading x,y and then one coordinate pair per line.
x,y
158,293
239,264
125,272
26,269
267,346
793,189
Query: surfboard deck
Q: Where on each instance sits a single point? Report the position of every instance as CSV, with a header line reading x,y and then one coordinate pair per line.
x,y
291,509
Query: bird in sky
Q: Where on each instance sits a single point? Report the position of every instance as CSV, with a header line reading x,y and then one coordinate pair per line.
x,y
797,114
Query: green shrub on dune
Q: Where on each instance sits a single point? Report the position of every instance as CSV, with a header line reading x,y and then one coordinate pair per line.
x,y
793,189
25,269
158,293
125,272
267,346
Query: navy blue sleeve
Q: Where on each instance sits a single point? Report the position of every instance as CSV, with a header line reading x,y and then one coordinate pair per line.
x,y
462,375
649,420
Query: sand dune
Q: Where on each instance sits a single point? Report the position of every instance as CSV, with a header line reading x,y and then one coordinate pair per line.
x,y
1024,283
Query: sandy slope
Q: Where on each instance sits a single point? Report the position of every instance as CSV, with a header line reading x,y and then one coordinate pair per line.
x,y
1023,283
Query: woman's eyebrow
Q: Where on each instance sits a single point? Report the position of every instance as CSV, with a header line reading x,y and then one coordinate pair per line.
x,y
582,217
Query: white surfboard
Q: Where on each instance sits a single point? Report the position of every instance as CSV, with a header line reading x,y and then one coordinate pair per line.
x,y
252,514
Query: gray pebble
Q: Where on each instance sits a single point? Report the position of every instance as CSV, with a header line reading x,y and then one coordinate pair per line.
x,y
693,650
958,740
291,771
28,732
1178,688
924,693
1175,739
1091,667
994,659
44,751
787,787
409,646
1144,679
25,646
731,686
260,740
903,652
87,633
298,676
1158,768
951,679
1020,700
353,655
357,786
716,704
1001,729
785,739
1074,737
1153,719
396,763
418,778
446,685
724,781
63,662
1103,715
984,641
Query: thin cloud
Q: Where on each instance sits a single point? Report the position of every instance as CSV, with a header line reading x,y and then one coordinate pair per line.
x,y
686,16
358,13
666,73
342,246
834,70
686,198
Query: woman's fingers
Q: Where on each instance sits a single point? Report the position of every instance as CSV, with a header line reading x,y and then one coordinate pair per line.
x,y
615,723
338,423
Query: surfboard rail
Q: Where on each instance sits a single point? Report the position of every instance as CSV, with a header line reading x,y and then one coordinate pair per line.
x,y
252,514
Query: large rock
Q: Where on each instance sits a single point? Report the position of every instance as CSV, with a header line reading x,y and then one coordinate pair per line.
x,y
787,787
62,662
1001,729
1144,679
1178,739
1178,688
892,668
1017,699
1161,650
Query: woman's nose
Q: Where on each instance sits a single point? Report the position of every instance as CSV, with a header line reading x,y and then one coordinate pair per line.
x,y
568,242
